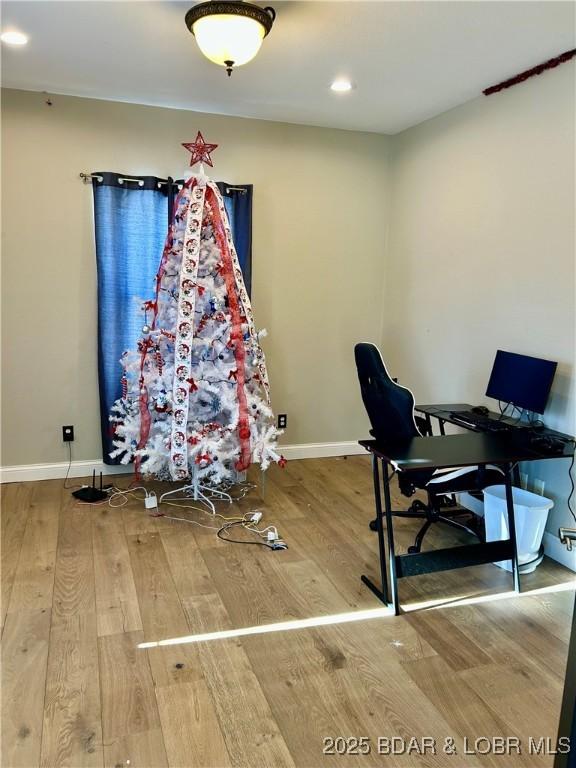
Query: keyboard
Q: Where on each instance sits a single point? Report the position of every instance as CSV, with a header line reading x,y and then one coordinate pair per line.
x,y
483,423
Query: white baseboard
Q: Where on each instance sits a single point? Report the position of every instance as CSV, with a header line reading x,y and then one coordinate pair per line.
x,y
28,472
321,450
57,471
554,548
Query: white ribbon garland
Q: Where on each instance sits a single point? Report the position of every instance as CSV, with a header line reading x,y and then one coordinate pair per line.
x,y
185,333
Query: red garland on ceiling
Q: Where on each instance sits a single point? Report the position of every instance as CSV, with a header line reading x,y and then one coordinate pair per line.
x,y
550,64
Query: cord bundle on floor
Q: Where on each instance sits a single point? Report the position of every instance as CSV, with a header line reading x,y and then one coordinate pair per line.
x,y
266,537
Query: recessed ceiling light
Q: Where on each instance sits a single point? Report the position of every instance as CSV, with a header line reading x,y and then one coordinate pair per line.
x,y
13,38
341,85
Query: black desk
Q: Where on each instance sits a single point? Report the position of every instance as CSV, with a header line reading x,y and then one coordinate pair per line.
x,y
443,413
505,449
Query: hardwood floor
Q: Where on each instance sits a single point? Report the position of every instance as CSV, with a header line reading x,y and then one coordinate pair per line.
x,y
83,586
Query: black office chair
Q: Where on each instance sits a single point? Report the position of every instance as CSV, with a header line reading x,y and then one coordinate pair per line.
x,y
390,409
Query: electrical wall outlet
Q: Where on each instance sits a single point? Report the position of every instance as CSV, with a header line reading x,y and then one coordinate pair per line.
x,y
539,486
282,420
68,434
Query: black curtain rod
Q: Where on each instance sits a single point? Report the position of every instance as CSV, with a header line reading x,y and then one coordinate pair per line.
x,y
87,179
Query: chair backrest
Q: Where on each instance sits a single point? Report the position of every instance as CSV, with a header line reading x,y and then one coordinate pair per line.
x,y
390,407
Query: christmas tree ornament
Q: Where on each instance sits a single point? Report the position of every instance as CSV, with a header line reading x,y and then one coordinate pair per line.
x,y
195,402
200,151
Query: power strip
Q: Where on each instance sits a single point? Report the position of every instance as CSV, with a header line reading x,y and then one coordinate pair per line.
x,y
151,501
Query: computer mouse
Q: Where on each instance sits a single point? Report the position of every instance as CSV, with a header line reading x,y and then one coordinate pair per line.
x,y
481,409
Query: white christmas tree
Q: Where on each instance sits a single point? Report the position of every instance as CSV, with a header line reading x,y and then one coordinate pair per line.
x,y
195,395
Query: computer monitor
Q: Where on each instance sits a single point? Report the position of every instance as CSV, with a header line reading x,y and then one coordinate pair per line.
x,y
521,380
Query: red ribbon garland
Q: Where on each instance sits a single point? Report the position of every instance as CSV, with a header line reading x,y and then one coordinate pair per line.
x,y
235,334
145,423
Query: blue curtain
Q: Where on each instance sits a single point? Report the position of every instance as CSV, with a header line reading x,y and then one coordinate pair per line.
x,y
131,221
238,203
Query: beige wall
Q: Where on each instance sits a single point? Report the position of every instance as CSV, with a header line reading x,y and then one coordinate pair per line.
x,y
317,258
481,250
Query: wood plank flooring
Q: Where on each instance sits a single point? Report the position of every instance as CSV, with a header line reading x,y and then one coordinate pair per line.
x,y
83,586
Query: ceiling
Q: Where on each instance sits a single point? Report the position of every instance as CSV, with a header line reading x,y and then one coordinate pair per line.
x,y
409,60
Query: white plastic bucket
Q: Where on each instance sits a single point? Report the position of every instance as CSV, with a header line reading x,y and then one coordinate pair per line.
x,y
530,515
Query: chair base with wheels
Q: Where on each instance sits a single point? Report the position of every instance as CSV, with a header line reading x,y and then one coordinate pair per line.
x,y
435,513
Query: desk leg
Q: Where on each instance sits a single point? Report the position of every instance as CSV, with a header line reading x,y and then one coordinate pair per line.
x,y
441,423
391,548
380,525
512,527
381,594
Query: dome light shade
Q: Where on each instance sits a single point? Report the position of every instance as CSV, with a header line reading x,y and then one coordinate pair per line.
x,y
228,38
229,33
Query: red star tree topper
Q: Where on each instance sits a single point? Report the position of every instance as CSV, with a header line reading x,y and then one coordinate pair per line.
x,y
200,151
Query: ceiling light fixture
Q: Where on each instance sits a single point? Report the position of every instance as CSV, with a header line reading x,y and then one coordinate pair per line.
x,y
13,38
229,33
341,85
